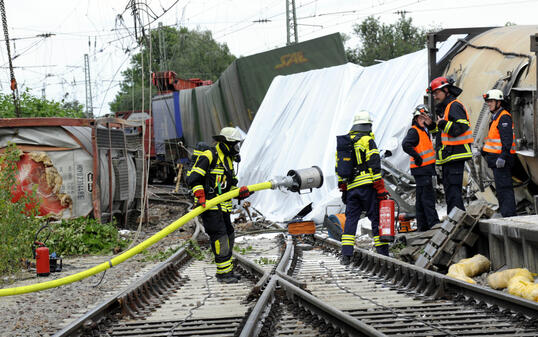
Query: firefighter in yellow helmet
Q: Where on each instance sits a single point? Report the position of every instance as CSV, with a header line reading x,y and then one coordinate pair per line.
x,y
213,174
358,168
499,150
417,144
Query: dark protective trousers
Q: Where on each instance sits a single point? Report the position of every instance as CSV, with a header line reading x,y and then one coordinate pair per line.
x,y
218,226
425,203
453,185
359,199
505,191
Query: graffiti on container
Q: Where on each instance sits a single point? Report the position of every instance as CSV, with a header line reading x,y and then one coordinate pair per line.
x,y
90,182
289,59
80,182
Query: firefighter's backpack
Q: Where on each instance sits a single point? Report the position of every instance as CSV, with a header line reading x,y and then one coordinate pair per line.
x,y
346,158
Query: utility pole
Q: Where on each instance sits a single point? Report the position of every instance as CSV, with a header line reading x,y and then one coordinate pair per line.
x,y
14,89
162,48
291,23
89,103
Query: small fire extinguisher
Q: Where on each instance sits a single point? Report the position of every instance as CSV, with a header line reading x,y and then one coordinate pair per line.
x,y
42,263
41,255
386,220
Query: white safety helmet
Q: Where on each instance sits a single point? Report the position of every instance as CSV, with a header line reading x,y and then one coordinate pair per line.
x,y
229,134
362,117
495,94
420,109
362,122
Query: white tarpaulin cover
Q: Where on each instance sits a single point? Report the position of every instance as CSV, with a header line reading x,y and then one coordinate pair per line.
x,y
301,115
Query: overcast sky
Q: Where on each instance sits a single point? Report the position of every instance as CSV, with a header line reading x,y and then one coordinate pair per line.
x,y
55,65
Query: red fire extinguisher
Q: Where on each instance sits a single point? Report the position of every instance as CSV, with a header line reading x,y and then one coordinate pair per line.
x,y
41,254
42,263
386,220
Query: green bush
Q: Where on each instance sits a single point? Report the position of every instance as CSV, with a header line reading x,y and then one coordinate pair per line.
x,y
18,224
83,236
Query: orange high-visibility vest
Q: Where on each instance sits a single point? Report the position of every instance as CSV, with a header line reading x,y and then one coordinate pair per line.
x,y
464,138
424,148
493,141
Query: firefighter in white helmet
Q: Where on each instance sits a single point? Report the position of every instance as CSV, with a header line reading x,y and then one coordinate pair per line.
x,y
358,168
418,145
499,150
213,174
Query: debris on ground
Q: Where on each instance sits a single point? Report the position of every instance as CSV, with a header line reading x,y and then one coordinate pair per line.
x,y
465,269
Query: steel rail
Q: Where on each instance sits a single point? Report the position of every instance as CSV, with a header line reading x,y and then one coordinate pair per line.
x,y
253,268
252,326
434,284
117,302
339,319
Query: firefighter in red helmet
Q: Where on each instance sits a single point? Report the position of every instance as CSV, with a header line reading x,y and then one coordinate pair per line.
x,y
417,144
454,139
499,150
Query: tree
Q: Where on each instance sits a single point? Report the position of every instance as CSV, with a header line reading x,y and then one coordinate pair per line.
x,y
32,106
384,42
189,53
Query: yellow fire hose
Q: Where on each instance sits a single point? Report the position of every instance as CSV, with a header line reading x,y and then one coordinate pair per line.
x,y
135,250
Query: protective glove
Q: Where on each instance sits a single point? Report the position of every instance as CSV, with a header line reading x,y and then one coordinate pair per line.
x,y
500,162
418,161
342,186
244,193
200,197
382,192
476,153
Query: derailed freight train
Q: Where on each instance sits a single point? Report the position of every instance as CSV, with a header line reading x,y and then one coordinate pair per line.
x,y
184,114
80,167
496,58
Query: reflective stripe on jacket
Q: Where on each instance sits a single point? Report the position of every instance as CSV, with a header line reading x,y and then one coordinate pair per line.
x,y
220,178
455,148
493,142
424,149
368,165
464,138
365,155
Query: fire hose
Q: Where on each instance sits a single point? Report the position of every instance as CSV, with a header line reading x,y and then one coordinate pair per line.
x,y
295,181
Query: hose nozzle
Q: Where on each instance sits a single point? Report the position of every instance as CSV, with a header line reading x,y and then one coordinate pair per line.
x,y
298,180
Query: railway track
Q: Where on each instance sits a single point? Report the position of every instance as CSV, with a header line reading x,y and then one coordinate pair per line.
x,y
301,290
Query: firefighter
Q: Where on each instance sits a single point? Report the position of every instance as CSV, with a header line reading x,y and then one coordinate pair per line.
x,y
454,139
213,174
418,145
499,150
364,187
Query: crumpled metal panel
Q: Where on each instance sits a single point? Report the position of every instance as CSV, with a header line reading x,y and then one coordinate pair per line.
x,y
478,70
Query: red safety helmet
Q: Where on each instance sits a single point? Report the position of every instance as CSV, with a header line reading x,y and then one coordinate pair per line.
x,y
438,83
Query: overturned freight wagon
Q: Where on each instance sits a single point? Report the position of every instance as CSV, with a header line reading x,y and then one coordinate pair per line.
x,y
194,115
496,58
81,167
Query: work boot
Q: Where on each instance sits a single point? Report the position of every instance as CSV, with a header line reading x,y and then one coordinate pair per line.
x,y
237,276
383,250
227,278
345,260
